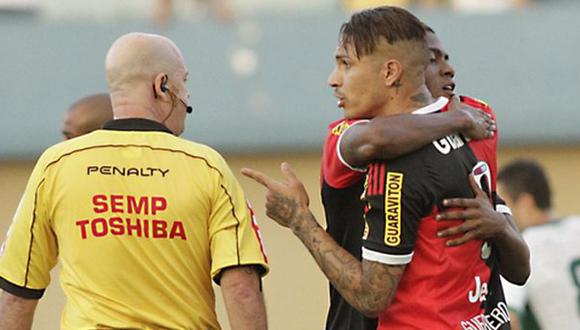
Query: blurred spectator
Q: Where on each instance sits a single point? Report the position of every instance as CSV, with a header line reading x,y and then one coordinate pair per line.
x,y
551,297
487,6
18,6
86,115
354,5
221,9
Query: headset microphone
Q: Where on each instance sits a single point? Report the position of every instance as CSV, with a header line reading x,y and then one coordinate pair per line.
x,y
164,88
188,107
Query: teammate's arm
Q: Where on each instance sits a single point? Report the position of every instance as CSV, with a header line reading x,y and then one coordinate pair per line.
x,y
241,289
368,286
389,137
16,313
483,222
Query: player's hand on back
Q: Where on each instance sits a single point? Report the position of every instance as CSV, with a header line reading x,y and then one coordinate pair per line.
x,y
481,221
479,126
286,200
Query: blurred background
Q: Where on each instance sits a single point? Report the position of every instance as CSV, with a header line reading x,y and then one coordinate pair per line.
x,y
258,72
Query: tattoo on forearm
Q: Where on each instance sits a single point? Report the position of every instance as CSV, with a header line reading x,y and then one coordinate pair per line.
x,y
365,286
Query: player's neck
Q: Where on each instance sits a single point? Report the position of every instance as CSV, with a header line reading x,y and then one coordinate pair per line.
x,y
410,100
538,217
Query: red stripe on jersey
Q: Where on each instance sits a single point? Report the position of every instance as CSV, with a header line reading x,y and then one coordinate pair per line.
x,y
377,184
256,229
369,180
382,179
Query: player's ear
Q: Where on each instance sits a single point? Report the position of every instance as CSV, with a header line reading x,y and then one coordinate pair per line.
x,y
392,72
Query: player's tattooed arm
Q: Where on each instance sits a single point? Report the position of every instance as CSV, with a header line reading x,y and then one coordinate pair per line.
x,y
368,286
387,137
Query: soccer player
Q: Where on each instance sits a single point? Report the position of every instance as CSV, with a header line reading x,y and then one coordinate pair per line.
x,y
343,186
380,65
86,115
551,297
141,220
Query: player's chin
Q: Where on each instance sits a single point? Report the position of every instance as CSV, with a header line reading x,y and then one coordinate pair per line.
x,y
348,114
446,93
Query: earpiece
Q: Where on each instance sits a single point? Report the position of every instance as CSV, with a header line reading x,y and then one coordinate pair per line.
x,y
163,85
166,89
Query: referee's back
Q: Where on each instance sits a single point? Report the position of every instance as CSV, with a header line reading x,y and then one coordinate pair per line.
x,y
140,220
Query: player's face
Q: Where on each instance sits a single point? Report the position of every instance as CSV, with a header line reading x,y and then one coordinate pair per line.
x,y
439,74
357,83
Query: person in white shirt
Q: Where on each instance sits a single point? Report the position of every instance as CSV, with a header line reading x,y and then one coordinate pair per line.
x,y
551,297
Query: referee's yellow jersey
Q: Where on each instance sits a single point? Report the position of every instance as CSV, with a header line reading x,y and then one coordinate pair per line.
x,y
141,221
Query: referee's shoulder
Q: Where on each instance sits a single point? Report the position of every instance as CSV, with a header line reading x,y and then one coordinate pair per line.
x,y
196,149
60,149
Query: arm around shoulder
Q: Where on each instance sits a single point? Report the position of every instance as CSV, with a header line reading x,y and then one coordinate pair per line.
x,y
388,137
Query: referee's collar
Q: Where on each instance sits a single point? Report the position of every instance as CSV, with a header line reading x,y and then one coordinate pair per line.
x,y
136,124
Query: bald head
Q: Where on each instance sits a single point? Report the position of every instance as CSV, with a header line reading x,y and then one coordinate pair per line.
x,y
86,115
138,57
146,75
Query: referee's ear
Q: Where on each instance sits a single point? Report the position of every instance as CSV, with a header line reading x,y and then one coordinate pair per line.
x,y
160,88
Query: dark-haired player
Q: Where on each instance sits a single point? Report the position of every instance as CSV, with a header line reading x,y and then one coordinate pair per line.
x,y
343,186
550,299
380,65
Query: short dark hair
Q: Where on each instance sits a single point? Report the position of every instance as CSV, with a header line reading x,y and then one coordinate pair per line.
x,y
365,28
526,176
428,28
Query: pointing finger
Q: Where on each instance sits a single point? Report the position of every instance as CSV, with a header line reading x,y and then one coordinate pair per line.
x,y
258,176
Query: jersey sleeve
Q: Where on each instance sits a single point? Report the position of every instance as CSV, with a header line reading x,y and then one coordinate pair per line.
x,y
235,238
398,196
335,172
486,148
515,296
501,205
30,249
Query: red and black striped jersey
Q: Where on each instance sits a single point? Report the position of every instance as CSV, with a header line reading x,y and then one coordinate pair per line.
x,y
442,287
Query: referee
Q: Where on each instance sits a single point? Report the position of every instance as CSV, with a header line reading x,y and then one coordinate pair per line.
x,y
141,220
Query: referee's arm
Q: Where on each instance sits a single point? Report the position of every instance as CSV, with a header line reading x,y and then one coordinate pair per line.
x,y
16,313
241,289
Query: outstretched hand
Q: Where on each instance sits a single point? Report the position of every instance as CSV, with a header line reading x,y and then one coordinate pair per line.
x,y
481,221
481,126
284,200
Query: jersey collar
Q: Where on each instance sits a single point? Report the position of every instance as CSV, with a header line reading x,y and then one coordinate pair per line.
x,y
136,124
438,105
